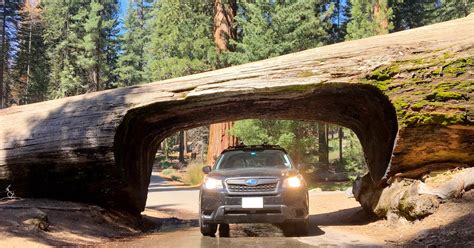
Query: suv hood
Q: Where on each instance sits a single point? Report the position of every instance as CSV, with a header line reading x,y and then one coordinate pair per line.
x,y
253,172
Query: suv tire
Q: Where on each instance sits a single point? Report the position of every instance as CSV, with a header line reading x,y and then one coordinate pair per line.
x,y
224,230
208,229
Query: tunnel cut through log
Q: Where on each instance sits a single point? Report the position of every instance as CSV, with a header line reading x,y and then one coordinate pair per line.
x,y
362,108
98,147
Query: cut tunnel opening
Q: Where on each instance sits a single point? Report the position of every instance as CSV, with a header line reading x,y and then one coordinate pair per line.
x,y
359,107
328,156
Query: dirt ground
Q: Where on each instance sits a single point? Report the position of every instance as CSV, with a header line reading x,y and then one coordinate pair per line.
x,y
40,222
450,226
331,213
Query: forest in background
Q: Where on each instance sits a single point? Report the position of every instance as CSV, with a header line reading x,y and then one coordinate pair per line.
x,y
52,49
57,48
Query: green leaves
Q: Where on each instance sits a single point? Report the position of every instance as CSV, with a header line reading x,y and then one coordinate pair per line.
x,y
268,29
131,63
369,18
180,41
81,45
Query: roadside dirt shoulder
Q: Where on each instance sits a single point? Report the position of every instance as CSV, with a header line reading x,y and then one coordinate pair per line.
x,y
450,225
41,222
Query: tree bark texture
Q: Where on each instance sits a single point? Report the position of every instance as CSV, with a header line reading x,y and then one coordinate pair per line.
x,y
219,139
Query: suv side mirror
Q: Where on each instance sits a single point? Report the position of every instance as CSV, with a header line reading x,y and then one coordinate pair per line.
x,y
206,169
301,167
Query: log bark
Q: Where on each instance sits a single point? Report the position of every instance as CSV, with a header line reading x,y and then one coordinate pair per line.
x,y
99,147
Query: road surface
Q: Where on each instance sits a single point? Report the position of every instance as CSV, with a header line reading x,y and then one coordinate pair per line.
x,y
165,196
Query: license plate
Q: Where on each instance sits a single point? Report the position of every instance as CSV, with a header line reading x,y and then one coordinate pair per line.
x,y
252,202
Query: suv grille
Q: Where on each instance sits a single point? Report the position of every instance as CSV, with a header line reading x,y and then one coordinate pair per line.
x,y
239,185
258,188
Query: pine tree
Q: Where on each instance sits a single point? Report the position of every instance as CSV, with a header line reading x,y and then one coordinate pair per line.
x,y
254,38
369,18
409,14
31,81
9,17
339,19
267,29
181,39
81,43
61,44
452,9
415,13
131,63
99,26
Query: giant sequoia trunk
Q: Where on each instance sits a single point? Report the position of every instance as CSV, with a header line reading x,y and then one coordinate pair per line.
x,y
223,23
407,96
219,136
219,139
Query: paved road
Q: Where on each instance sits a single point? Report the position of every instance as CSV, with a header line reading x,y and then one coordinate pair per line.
x,y
163,195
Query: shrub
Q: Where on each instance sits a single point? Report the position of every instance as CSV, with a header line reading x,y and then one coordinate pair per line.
x,y
168,171
194,174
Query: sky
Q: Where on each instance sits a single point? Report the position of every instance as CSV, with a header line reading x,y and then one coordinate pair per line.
x,y
123,7
122,13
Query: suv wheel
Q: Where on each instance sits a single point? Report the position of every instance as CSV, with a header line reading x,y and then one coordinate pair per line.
x,y
224,230
208,229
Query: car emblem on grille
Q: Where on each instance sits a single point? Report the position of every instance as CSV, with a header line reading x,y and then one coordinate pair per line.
x,y
251,182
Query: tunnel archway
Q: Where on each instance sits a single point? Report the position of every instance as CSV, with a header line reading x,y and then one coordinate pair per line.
x,y
360,107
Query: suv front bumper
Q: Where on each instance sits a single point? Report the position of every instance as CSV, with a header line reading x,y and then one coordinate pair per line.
x,y
286,206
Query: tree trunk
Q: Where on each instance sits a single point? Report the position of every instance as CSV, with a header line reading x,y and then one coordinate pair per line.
x,y
165,148
3,58
380,12
323,147
341,137
29,56
181,147
219,139
223,21
219,136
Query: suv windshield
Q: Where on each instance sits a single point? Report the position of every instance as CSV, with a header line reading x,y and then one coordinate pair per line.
x,y
253,159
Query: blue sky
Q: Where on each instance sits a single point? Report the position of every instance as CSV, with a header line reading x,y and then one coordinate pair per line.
x,y
123,7
122,12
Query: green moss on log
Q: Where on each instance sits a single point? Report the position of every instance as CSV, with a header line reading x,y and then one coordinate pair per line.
x,y
423,118
443,96
384,73
421,104
431,90
400,106
458,66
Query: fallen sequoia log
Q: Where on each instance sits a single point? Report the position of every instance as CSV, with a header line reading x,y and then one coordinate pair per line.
x,y
407,96
413,199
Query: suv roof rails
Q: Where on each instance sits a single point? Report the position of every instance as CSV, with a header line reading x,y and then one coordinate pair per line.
x,y
262,146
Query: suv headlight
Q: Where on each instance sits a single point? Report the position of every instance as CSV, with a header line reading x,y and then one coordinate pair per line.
x,y
293,182
211,183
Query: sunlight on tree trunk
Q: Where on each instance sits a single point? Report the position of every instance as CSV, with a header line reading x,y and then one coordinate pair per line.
x,y
219,139
219,136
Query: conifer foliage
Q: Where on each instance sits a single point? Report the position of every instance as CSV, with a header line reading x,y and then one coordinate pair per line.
x,y
51,49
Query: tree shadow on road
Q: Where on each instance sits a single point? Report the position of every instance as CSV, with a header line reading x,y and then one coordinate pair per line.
x,y
351,216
